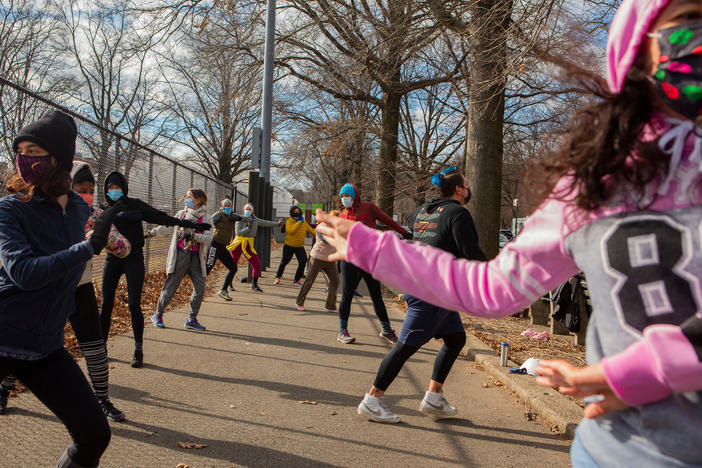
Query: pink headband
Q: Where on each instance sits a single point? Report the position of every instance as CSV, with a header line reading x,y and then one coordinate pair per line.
x,y
629,26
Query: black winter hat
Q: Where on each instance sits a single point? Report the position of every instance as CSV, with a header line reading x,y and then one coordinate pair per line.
x,y
115,178
56,132
83,175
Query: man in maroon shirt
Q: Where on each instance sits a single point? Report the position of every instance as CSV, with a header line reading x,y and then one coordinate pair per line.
x,y
368,213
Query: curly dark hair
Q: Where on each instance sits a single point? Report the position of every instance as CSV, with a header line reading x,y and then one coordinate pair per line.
x,y
601,137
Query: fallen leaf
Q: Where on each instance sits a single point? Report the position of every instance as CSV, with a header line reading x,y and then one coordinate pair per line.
x,y
191,445
309,427
182,465
486,385
346,361
232,406
308,402
261,413
333,413
150,434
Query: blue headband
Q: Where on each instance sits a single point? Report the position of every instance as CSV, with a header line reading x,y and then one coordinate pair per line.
x,y
438,179
348,190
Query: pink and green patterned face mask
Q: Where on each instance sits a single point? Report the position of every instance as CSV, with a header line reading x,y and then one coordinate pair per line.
x,y
679,75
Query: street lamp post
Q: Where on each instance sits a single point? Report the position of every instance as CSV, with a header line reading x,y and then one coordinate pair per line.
x,y
267,111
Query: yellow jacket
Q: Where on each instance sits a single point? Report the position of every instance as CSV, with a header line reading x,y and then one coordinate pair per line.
x,y
295,232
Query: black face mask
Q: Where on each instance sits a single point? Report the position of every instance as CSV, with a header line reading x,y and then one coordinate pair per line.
x,y
467,197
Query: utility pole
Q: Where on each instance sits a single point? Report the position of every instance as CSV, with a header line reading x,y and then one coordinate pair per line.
x,y
267,112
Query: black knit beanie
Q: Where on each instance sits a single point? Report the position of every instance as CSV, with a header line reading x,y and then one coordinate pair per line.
x,y
114,179
83,175
56,132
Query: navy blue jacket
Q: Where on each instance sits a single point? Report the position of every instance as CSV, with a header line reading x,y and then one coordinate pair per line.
x,y
43,254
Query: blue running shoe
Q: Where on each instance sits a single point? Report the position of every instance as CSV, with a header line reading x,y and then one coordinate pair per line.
x,y
158,320
193,324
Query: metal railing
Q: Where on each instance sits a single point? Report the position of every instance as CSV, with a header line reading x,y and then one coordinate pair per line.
x,y
159,180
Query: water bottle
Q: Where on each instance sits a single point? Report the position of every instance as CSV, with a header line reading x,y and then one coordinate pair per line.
x,y
503,354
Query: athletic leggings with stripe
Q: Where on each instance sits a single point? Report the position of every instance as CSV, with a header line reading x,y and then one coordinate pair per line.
x,y
86,325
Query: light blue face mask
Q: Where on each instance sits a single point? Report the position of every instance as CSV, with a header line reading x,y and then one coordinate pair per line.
x,y
114,194
189,203
248,213
227,210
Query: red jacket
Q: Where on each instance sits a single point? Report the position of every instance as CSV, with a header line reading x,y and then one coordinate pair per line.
x,y
368,213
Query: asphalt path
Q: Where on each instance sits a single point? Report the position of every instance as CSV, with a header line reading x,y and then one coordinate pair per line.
x,y
268,385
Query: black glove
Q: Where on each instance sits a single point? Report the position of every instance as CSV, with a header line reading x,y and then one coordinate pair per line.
x,y
407,235
184,223
98,240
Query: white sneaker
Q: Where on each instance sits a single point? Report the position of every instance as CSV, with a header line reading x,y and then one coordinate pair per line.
x,y
374,409
436,404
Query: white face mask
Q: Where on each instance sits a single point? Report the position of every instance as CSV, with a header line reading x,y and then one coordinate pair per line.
x,y
347,202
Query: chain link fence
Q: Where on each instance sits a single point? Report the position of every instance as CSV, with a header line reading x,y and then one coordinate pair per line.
x,y
159,180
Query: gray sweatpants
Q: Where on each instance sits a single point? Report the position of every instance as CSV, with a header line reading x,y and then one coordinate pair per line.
x,y
186,263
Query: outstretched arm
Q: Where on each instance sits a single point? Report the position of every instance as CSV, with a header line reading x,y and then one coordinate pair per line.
x,y
383,217
523,271
25,269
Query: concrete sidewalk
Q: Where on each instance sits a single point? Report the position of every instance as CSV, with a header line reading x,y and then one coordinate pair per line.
x,y
267,385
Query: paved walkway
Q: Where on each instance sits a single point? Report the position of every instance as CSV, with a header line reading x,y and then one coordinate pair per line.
x,y
238,388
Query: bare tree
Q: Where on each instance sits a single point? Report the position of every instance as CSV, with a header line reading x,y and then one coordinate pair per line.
x,y
333,41
27,59
431,137
110,50
330,142
215,95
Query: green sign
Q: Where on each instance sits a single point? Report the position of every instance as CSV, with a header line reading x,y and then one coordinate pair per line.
x,y
317,206
301,206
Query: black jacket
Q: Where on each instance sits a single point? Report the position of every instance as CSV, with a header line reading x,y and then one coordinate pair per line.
x,y
445,224
128,223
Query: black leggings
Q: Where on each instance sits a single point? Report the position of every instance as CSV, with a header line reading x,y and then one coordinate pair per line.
x,y
133,268
351,275
219,252
288,253
85,322
400,353
58,383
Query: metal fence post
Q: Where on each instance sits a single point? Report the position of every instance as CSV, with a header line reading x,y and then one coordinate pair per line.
x,y
116,154
150,201
173,192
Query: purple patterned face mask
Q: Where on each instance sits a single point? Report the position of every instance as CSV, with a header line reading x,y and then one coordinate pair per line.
x,y
33,169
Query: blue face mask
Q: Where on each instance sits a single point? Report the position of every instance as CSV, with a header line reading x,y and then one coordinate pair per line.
x,y
227,210
189,203
114,194
248,213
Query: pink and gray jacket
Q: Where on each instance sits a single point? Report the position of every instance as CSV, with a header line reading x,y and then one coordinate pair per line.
x,y
644,270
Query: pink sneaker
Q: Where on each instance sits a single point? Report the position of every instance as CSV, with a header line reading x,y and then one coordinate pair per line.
x,y
297,283
300,307
345,338
277,281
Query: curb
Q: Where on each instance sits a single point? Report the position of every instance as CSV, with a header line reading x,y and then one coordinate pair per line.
x,y
547,403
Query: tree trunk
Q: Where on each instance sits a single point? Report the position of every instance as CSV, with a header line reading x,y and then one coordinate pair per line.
x,y
359,138
485,119
389,128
